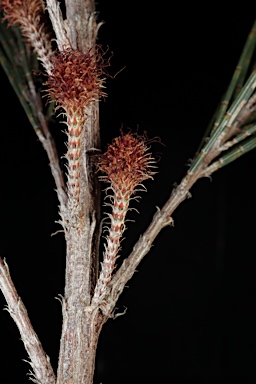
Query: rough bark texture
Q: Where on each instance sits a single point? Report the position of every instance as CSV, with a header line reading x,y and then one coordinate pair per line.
x,y
79,344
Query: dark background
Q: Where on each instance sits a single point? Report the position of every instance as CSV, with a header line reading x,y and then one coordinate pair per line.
x,y
190,316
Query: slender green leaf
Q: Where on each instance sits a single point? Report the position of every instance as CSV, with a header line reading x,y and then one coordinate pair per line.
x,y
232,155
235,85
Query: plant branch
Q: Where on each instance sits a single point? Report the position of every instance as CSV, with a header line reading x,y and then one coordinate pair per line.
x,y
15,57
49,145
242,109
231,155
40,362
82,25
161,219
58,24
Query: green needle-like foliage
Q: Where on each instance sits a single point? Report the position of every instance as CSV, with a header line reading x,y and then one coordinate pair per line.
x,y
14,60
232,105
20,63
235,85
232,155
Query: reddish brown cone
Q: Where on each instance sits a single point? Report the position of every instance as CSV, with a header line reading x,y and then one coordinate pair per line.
x,y
76,79
127,162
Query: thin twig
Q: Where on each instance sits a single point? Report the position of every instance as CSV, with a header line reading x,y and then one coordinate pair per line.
x,y
49,145
58,25
39,361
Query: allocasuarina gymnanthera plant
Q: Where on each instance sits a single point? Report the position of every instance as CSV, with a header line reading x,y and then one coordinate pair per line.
x,y
74,74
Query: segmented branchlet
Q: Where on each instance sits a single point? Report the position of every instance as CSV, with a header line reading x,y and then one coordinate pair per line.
x,y
125,165
29,16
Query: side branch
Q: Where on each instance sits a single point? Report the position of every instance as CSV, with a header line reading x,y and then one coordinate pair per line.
x,y
240,115
40,362
48,143
161,219
58,24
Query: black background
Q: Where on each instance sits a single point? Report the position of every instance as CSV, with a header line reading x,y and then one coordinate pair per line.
x,y
190,315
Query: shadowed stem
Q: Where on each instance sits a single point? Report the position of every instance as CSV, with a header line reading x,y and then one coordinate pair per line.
x,y
39,361
15,57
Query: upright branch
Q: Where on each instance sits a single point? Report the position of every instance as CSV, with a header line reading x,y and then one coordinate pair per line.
x,y
82,27
75,83
58,25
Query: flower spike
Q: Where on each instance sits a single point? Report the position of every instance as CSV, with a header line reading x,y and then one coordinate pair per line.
x,y
126,164
76,81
